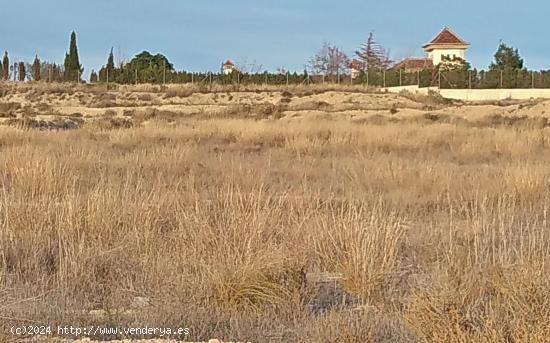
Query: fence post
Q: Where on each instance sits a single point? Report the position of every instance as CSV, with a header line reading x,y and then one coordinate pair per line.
x,y
338,74
418,77
210,77
469,79
287,78
501,76
400,78
367,78
136,77
439,78
193,78
384,78
532,80
164,73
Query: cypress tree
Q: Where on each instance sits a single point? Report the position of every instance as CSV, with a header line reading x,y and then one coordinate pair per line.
x,y
107,73
35,71
22,71
111,62
73,68
5,66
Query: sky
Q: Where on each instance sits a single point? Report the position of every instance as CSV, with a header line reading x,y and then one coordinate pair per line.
x,y
198,35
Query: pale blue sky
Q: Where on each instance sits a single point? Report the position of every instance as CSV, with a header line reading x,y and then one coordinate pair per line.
x,y
198,34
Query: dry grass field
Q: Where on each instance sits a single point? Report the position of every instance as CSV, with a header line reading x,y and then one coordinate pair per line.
x,y
268,215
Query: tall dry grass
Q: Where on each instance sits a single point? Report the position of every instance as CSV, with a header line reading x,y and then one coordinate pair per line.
x,y
440,231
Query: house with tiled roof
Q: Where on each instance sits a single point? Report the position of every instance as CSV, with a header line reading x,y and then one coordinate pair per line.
x,y
446,44
228,67
414,64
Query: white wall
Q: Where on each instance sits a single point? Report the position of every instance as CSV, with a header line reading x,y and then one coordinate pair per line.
x,y
494,94
478,94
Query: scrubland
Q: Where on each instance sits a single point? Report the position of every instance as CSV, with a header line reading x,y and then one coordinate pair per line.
x,y
219,206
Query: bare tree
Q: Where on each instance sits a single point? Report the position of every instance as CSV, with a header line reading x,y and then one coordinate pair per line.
x,y
281,71
373,55
329,60
249,67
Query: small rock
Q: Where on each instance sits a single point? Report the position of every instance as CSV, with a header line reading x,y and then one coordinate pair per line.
x,y
140,302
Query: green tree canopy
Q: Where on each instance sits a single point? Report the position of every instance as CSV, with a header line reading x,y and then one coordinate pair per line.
x,y
149,68
35,71
5,66
73,68
22,71
145,60
506,57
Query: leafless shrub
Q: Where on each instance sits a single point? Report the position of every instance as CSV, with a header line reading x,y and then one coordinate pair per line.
x,y
179,92
103,100
106,123
146,97
9,109
431,100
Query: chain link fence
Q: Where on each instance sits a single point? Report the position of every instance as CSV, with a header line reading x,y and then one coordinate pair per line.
x,y
468,79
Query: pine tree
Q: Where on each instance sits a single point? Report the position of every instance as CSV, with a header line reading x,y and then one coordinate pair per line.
x,y
73,68
372,55
22,71
5,66
35,71
506,57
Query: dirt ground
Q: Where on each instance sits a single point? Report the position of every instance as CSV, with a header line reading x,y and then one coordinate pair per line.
x,y
67,107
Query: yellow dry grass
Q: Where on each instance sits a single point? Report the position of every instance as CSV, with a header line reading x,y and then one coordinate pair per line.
x,y
440,230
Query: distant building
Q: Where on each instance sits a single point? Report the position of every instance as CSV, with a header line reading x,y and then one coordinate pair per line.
x,y
414,64
446,44
228,67
356,67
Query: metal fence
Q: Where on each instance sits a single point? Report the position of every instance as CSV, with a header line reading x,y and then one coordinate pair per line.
x,y
472,79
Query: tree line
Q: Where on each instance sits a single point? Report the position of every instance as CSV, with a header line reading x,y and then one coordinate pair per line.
x,y
371,60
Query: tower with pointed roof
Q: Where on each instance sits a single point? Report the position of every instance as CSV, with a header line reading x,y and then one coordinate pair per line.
x,y
446,44
228,67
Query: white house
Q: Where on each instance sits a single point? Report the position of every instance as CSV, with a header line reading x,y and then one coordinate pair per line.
x,y
446,44
228,67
